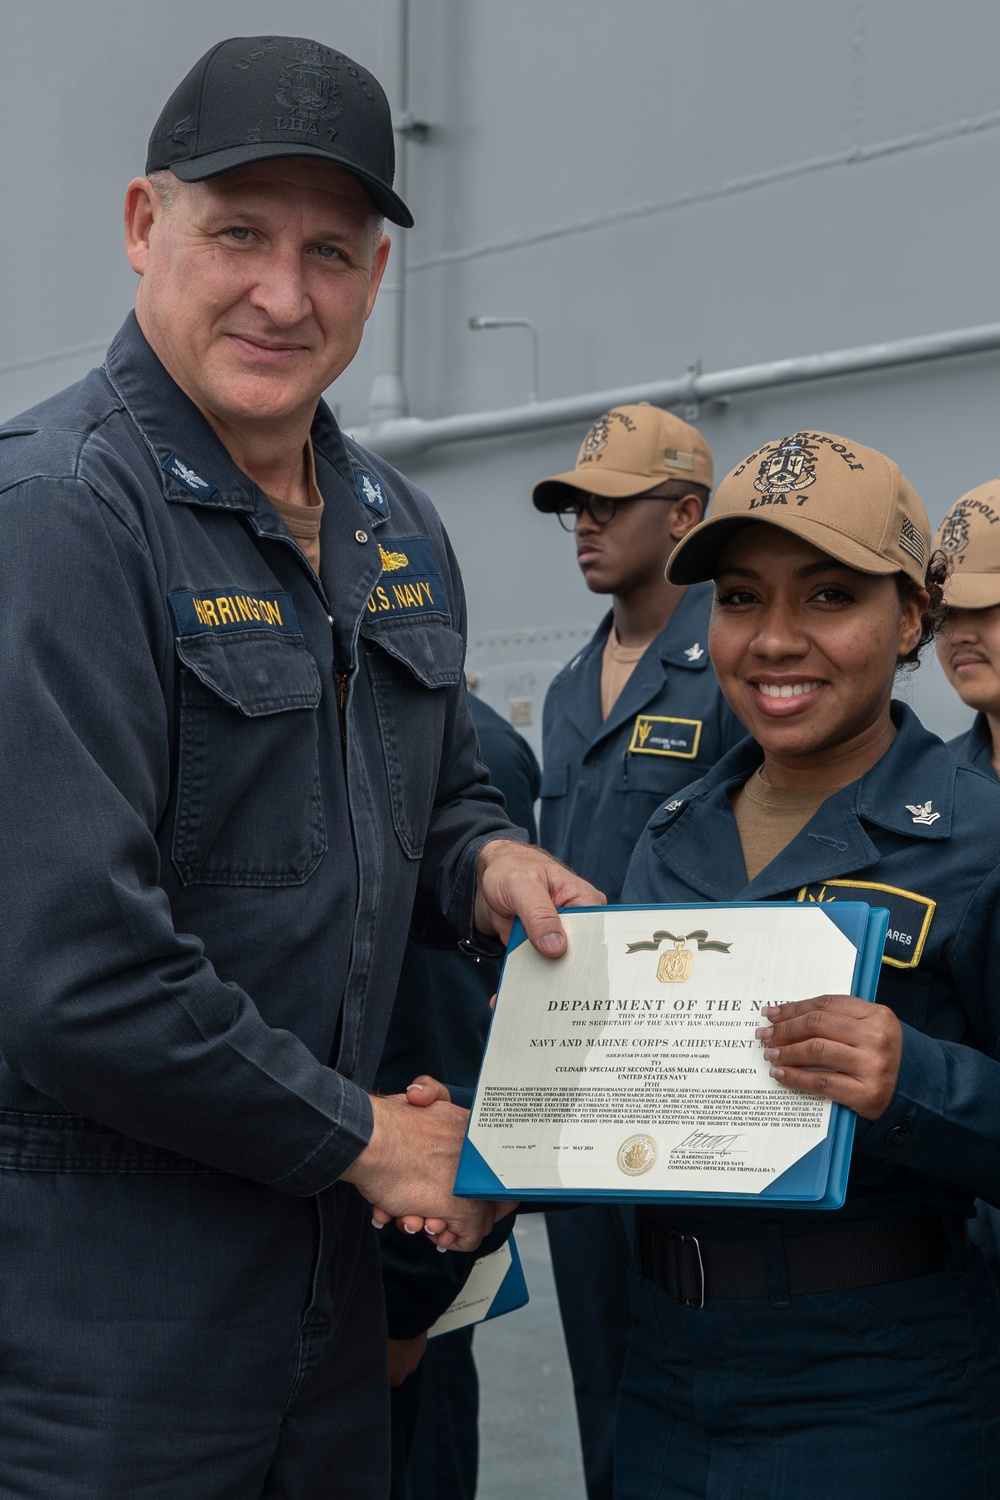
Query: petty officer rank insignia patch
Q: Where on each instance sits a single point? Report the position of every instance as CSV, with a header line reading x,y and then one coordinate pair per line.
x,y
220,610
411,582
370,492
910,915
653,735
199,486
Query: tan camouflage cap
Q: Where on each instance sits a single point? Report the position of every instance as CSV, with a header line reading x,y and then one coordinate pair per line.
x,y
628,451
969,536
847,500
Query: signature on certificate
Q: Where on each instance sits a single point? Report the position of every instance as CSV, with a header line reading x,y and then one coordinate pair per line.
x,y
703,1144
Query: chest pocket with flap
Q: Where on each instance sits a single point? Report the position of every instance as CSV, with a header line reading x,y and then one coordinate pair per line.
x,y
555,781
410,666
249,802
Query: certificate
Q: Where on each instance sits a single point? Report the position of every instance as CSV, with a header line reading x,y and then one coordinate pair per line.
x,y
629,1068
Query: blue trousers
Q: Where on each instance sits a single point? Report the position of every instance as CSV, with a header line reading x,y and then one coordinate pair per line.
x,y
882,1393
435,1424
177,1334
591,1251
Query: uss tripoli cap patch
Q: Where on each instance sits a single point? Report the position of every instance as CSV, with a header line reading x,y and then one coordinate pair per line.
x,y
847,500
969,536
629,450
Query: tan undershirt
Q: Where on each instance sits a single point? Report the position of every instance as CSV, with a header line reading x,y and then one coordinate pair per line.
x,y
617,665
303,521
768,818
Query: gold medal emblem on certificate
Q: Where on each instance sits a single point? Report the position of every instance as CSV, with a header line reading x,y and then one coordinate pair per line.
x,y
675,965
637,1155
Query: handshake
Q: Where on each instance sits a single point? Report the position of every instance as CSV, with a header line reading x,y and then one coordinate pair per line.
x,y
407,1170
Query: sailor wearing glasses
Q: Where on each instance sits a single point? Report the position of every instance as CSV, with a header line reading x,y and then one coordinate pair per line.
x,y
629,721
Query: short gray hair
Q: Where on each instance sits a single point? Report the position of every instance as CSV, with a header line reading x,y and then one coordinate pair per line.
x,y
165,186
376,228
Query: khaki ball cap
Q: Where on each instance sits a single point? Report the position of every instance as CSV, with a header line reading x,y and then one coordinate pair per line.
x,y
969,536
629,450
848,500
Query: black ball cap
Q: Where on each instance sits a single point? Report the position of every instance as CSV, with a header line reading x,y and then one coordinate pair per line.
x,y
258,98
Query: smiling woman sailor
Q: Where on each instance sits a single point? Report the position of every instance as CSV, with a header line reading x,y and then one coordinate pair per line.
x,y
855,1352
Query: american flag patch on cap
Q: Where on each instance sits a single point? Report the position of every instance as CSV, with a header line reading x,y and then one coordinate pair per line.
x,y
910,540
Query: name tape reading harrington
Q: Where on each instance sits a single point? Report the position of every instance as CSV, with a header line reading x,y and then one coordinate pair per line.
x,y
231,608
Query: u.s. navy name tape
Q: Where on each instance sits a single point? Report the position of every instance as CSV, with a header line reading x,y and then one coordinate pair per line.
x,y
411,581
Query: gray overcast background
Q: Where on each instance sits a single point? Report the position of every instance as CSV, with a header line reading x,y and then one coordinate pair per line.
x,y
653,182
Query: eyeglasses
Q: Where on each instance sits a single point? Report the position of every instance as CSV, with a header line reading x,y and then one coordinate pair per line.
x,y
600,508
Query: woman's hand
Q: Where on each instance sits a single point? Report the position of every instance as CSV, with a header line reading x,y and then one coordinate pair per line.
x,y
839,1046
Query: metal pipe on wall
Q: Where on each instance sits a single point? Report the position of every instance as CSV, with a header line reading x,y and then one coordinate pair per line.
x,y
408,437
387,399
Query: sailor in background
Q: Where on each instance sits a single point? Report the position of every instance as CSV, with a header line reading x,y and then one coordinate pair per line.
x,y
969,644
632,718
968,649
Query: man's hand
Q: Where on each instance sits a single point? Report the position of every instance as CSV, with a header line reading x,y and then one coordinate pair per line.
x,y
404,1357
521,880
836,1045
422,1092
409,1166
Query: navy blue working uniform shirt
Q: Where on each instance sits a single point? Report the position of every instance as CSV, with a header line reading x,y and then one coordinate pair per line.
x,y
916,834
511,761
601,782
975,746
227,782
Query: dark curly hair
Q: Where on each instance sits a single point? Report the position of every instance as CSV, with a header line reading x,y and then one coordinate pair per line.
x,y
938,569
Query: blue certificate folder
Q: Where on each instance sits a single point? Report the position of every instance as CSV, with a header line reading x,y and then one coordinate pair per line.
x,y
514,1291
817,1180
478,1302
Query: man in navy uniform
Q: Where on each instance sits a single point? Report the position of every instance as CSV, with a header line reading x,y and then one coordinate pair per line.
x,y
238,755
968,648
634,717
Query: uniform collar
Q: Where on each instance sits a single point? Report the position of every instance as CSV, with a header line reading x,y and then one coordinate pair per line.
x,y
683,642
909,792
195,467
978,746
